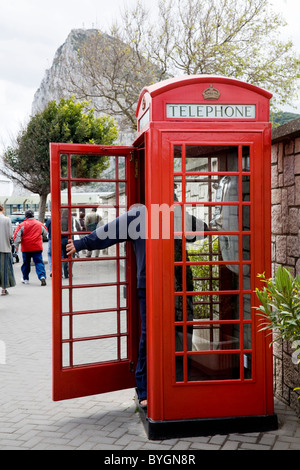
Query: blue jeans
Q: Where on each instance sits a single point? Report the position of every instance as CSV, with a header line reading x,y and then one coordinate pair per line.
x,y
38,261
141,367
65,264
49,252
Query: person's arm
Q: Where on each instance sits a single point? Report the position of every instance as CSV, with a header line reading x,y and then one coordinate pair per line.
x,y
10,229
117,231
44,231
18,236
70,248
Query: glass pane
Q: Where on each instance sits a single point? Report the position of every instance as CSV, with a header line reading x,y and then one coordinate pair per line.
x,y
177,189
225,218
246,248
95,324
123,297
122,168
246,218
124,349
178,308
247,337
94,272
66,355
93,219
63,166
211,158
64,193
196,159
229,246
248,366
66,327
204,277
246,188
65,296
214,248
177,158
197,220
246,277
214,337
247,306
246,158
123,196
94,298
123,322
93,167
202,218
178,278
213,367
215,307
93,351
179,368
211,188
65,221
212,277
178,338
100,193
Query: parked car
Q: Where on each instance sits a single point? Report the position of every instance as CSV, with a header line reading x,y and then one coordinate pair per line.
x,y
16,218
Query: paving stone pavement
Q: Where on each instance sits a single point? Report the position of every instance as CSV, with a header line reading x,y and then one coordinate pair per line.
x,y
30,420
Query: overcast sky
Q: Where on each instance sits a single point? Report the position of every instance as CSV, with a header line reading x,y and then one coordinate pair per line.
x,y
32,30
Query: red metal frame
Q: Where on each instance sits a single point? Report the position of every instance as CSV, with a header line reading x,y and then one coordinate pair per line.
x,y
74,380
213,398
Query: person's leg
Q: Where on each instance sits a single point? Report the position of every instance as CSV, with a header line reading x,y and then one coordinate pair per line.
x,y
65,264
39,264
50,256
7,278
25,268
141,368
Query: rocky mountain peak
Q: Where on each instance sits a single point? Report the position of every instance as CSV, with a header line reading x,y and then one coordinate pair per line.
x,y
53,85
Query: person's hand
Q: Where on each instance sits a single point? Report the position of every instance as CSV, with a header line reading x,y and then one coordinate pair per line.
x,y
70,248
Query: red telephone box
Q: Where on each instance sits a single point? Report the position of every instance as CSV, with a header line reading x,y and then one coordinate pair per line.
x,y
201,165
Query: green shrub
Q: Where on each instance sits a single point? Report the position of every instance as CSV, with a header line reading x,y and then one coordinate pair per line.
x,y
280,304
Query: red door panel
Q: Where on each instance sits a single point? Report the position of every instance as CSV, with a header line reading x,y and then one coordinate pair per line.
x,y
94,307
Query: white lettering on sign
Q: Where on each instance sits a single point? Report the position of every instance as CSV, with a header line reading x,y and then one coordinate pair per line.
x,y
211,111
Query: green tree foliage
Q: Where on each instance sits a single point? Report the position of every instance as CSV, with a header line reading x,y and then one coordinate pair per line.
x,y
235,38
28,161
280,118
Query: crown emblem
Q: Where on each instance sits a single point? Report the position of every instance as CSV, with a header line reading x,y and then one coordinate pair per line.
x,y
211,93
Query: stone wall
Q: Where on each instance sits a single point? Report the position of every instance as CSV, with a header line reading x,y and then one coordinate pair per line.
x,y
286,242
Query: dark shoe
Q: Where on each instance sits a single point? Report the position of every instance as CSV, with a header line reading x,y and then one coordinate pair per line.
x,y
43,281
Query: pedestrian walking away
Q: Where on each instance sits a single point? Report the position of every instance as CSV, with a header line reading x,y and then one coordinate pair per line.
x,y
30,235
92,221
7,278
